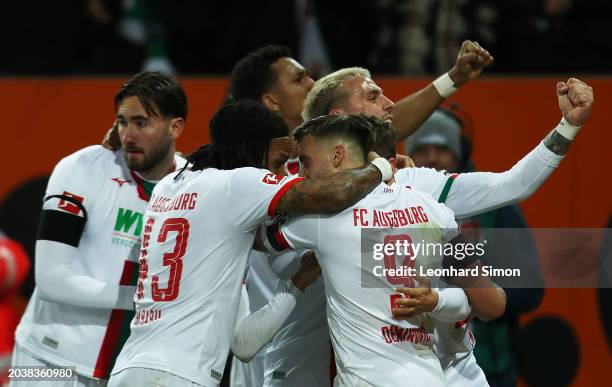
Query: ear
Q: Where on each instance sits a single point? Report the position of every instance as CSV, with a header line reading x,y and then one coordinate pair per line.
x,y
338,154
270,101
393,163
337,111
176,127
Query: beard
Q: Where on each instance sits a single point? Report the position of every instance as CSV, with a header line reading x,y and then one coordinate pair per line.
x,y
148,160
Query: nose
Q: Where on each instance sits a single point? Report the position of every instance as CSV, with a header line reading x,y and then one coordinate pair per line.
x,y
309,83
129,134
388,104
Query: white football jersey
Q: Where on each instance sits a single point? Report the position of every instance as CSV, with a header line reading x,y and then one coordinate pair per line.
x,y
300,352
262,285
115,199
369,344
473,193
199,230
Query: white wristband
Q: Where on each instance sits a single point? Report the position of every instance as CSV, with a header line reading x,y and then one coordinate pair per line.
x,y
567,130
292,289
444,85
384,166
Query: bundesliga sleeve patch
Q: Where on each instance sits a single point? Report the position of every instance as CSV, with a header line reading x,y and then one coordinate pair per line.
x,y
69,205
272,179
63,226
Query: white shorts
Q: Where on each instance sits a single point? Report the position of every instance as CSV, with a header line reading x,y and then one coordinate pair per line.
x,y
22,357
461,370
147,377
249,374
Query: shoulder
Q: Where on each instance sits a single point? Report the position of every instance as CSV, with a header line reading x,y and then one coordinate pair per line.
x,y
91,156
179,161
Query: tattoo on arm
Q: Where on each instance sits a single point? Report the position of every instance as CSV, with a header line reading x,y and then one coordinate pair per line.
x,y
557,143
331,194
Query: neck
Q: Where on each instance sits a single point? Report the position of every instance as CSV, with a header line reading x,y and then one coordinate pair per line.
x,y
292,123
162,168
350,164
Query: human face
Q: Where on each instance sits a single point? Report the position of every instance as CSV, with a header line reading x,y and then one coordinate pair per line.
x,y
434,156
278,154
316,158
147,141
367,97
288,94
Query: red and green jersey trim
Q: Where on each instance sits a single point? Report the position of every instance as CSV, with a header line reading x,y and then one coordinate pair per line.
x,y
447,187
118,328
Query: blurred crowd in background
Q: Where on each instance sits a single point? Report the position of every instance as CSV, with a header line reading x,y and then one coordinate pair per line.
x,y
407,37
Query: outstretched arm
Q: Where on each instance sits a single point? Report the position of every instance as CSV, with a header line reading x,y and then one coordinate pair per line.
x,y
469,194
410,112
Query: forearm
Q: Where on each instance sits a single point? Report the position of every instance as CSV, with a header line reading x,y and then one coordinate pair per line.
x,y
410,112
556,143
255,330
332,194
452,305
488,303
57,281
478,192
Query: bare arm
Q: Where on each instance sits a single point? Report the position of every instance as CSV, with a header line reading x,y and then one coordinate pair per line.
x,y
331,194
410,112
488,301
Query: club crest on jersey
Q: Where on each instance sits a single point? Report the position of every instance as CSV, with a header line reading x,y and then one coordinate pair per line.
x,y
272,179
68,206
293,167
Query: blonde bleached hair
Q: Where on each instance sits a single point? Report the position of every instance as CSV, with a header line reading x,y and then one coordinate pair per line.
x,y
328,92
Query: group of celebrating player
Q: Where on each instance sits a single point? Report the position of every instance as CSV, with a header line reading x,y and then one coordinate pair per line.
x,y
151,267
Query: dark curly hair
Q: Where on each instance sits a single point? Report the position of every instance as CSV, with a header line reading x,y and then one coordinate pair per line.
x,y
253,75
240,134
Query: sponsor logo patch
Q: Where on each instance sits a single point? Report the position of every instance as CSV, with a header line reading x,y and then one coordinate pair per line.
x,y
68,206
272,179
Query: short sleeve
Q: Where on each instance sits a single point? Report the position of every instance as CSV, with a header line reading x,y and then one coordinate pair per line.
x,y
72,180
254,194
302,233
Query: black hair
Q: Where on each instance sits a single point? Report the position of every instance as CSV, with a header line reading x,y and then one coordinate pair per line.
x,y
353,127
240,134
253,75
155,91
384,137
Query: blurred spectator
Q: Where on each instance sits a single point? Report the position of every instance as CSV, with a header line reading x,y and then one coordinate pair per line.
x,y
76,36
439,144
546,36
312,51
211,36
14,267
415,37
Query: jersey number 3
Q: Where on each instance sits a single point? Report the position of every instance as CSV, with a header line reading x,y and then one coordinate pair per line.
x,y
173,259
